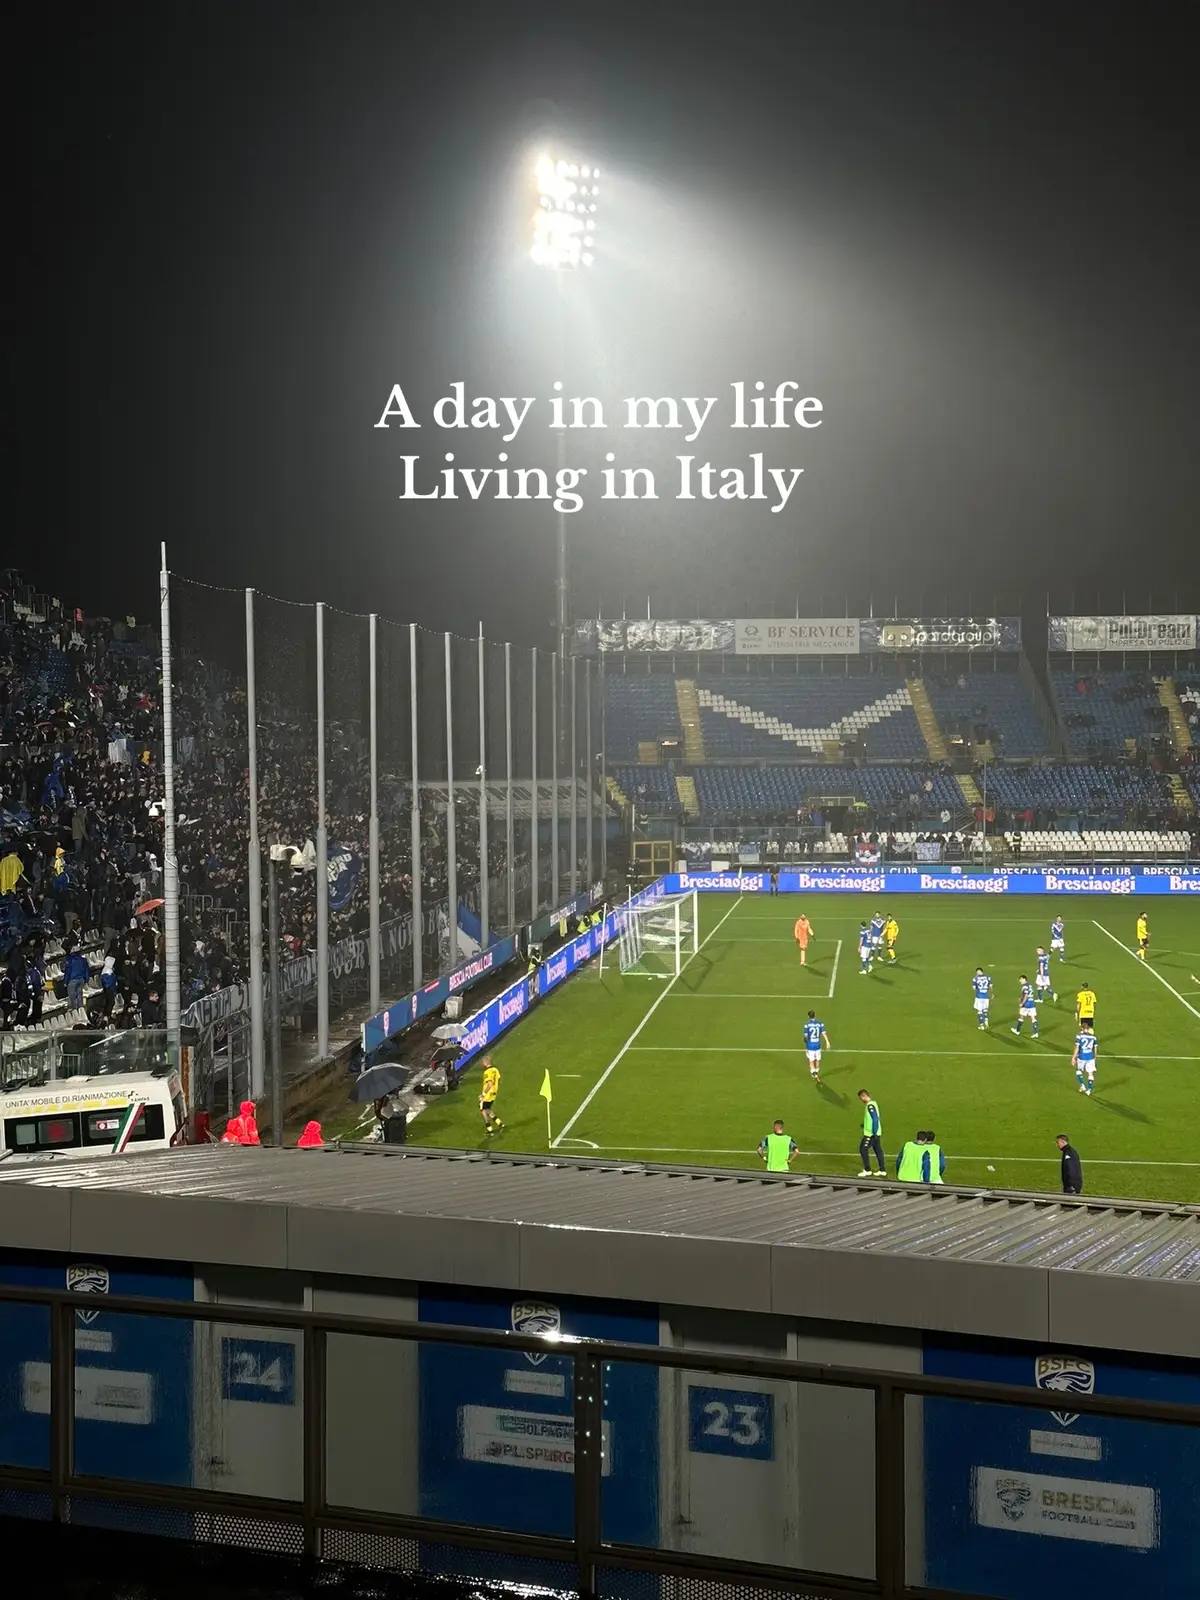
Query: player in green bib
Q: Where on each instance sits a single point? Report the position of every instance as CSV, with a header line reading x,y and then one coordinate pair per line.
x,y
778,1149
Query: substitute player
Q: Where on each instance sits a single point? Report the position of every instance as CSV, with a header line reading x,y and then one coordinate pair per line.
x,y
1143,936
802,933
488,1090
1083,1058
1058,939
1041,977
981,986
891,932
1026,1008
814,1037
871,1143
1085,1004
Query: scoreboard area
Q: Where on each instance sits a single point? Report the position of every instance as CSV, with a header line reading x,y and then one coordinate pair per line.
x,y
694,1069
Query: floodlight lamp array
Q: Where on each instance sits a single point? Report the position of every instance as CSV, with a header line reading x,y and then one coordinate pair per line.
x,y
564,224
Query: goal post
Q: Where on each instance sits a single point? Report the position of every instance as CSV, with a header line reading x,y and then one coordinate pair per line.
x,y
657,936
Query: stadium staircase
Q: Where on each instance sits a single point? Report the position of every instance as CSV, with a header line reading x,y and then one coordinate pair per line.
x,y
969,789
689,799
688,702
617,794
931,732
649,754
1181,736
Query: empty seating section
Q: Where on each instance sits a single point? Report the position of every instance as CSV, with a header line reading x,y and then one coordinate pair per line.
x,y
1076,790
640,785
639,710
775,790
997,700
1100,710
759,716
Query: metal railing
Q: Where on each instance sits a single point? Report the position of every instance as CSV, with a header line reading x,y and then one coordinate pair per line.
x,y
320,1527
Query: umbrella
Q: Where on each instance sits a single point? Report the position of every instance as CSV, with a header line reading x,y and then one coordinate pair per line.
x,y
376,1082
147,905
450,1030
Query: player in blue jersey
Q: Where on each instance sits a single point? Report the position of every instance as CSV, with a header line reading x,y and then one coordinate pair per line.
x,y
1083,1058
1026,1008
864,949
1042,976
877,922
981,986
1058,938
814,1037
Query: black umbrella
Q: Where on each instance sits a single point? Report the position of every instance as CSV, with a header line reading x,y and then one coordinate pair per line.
x,y
376,1082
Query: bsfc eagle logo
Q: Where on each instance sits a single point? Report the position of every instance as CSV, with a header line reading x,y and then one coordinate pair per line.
x,y
85,1277
536,1316
1071,1374
1013,1496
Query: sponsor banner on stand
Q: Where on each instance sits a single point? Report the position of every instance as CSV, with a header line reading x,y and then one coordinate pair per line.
x,y
1106,634
954,634
646,637
797,636
1067,1508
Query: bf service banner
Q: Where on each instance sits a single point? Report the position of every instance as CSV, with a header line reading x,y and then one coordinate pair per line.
x,y
1106,634
797,636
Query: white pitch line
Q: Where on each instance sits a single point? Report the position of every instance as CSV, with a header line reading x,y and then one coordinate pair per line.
x,y
1047,1161
837,956
1187,1003
698,995
853,1050
629,1045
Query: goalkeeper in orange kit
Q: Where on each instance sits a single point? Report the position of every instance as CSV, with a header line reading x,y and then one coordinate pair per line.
x,y
802,933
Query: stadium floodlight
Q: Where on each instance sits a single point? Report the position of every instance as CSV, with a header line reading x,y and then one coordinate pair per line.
x,y
564,224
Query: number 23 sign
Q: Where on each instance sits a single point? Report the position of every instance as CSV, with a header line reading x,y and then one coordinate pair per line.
x,y
731,1422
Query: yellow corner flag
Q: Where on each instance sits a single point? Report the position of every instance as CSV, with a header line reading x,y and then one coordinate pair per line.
x,y
547,1094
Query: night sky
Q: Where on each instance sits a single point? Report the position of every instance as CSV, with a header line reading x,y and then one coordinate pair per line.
x,y
970,230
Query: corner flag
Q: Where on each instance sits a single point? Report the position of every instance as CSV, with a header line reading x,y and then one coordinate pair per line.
x,y
547,1094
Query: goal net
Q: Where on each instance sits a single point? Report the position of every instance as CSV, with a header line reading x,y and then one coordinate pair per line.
x,y
655,937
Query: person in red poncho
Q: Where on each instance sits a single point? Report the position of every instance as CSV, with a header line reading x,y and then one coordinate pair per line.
x,y
234,1132
249,1123
310,1139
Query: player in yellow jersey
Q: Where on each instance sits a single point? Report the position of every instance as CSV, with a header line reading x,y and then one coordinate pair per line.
x,y
1143,936
891,932
1085,1004
488,1090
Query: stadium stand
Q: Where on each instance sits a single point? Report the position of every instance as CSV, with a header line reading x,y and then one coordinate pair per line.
x,y
780,790
1104,713
1124,791
994,706
774,716
639,710
648,785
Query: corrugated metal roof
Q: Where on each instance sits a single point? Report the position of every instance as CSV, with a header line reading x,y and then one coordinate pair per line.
x,y
1108,1238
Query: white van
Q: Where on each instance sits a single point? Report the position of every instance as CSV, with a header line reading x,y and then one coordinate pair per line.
x,y
81,1116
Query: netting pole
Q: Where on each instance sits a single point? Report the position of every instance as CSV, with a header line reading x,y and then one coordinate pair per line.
x,y
373,826
603,782
322,883
587,733
574,785
258,1052
533,795
695,922
678,937
511,869
451,846
418,924
554,660
484,906
170,860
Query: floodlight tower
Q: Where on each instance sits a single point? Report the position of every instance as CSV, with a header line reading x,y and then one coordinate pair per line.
x,y
564,238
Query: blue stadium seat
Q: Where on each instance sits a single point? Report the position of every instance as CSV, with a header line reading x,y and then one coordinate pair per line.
x,y
771,790
647,784
1122,705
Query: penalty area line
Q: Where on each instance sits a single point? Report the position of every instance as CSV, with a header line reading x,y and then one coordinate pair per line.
x,y
1182,1001
1045,1161
629,1045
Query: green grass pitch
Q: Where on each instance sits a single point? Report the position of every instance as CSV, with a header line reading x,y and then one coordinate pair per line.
x,y
694,1071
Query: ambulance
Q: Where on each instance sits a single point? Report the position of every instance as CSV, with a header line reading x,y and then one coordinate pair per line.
x,y
89,1116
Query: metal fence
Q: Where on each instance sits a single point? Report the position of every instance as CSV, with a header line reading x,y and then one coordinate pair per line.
x,y
414,775
892,1534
